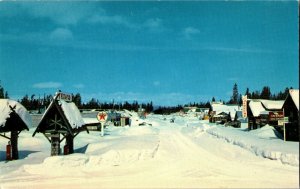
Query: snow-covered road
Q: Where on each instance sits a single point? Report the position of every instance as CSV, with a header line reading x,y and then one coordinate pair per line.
x,y
164,155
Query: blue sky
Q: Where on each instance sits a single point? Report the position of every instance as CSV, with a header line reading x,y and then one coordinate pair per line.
x,y
166,52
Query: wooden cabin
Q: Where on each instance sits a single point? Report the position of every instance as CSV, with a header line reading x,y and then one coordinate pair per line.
x,y
62,120
14,118
261,112
291,112
222,113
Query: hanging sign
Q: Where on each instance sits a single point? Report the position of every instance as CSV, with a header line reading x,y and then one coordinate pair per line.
x,y
244,98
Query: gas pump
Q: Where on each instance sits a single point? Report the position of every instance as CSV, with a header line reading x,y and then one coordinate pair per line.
x,y
8,151
66,149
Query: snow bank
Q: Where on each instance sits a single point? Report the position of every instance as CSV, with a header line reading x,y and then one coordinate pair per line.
x,y
259,143
142,130
20,110
267,132
134,144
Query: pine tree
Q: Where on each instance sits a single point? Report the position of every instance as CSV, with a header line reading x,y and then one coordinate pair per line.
x,y
235,95
265,93
26,102
213,99
1,92
240,100
6,95
77,100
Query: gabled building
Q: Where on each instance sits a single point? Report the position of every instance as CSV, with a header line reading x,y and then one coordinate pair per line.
x,y
14,118
261,112
61,120
291,111
223,113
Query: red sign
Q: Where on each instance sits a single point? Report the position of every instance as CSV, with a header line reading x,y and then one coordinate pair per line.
x,y
244,106
102,116
275,116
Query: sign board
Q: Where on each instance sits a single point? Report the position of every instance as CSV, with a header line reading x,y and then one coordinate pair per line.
x,y
64,96
102,116
280,122
275,116
244,98
286,119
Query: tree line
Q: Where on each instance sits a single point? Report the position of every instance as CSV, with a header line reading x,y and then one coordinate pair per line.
x,y
3,93
265,93
34,102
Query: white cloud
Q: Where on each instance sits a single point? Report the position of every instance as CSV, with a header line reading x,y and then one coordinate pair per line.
x,y
233,79
242,49
189,32
156,83
47,85
154,25
79,86
61,34
116,19
62,13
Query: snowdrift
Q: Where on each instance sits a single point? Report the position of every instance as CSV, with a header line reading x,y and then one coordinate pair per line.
x,y
262,142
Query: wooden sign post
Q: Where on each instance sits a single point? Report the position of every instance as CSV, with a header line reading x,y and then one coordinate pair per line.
x,y
102,117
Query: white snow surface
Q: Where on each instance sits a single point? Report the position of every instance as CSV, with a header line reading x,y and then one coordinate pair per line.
x,y
72,113
20,110
188,153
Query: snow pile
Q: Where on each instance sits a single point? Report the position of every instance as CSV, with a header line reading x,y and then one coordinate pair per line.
x,y
127,146
5,110
267,132
72,113
260,144
145,130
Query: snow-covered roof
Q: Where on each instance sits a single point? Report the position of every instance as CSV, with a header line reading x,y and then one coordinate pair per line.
x,y
273,104
72,113
295,96
19,109
256,107
127,113
88,120
260,106
229,109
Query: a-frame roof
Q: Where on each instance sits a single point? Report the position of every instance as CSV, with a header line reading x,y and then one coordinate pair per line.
x,y
13,116
60,116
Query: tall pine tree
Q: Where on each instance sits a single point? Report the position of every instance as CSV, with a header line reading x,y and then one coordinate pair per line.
x,y
235,95
265,93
